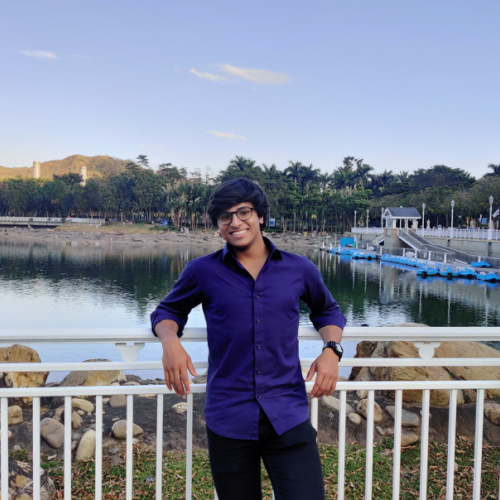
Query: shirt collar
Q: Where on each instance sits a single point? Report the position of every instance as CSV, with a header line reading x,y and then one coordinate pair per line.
x,y
274,251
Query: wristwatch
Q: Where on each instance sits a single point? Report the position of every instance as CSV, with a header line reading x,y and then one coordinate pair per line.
x,y
337,348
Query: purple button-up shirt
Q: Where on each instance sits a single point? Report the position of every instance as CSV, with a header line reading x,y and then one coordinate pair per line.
x,y
252,328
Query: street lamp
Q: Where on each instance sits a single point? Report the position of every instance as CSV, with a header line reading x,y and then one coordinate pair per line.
x,y
490,228
355,212
367,219
382,218
423,218
452,207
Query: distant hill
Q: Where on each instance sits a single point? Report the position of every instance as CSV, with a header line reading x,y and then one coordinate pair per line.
x,y
97,167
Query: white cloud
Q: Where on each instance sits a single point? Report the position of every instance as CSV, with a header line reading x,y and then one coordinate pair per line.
x,y
228,135
208,76
40,54
259,76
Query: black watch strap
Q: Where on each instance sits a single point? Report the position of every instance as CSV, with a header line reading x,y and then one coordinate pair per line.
x,y
337,348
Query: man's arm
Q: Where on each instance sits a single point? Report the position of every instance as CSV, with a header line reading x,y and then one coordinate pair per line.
x,y
326,365
176,361
168,321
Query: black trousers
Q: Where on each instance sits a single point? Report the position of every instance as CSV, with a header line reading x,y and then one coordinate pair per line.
x,y
292,462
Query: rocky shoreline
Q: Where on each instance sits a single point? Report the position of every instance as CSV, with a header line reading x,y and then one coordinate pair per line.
x,y
128,236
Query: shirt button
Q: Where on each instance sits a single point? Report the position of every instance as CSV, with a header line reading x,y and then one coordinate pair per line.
x,y
257,296
258,371
260,395
258,347
258,321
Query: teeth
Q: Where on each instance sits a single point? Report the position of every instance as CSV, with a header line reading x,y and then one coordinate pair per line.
x,y
240,232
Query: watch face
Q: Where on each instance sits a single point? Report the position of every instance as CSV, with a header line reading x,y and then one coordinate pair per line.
x,y
340,348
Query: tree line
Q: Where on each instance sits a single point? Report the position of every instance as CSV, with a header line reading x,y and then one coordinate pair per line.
x,y
301,197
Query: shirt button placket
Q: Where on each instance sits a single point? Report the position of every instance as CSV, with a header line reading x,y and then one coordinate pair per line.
x,y
258,311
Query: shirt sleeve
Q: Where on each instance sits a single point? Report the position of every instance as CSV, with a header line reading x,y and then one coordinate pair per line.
x,y
324,309
184,296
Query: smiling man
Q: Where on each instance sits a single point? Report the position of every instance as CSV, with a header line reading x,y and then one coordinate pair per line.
x,y
256,406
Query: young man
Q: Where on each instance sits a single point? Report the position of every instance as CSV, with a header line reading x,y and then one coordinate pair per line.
x,y
256,405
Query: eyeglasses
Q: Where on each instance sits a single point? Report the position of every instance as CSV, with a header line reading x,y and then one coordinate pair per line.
x,y
243,213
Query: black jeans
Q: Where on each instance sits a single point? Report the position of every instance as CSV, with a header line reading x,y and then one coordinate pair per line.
x,y
292,462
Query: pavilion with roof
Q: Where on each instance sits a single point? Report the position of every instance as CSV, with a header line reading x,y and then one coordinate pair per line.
x,y
392,215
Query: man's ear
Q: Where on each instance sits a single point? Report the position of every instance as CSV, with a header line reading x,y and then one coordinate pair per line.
x,y
261,220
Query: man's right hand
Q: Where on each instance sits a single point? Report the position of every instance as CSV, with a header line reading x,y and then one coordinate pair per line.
x,y
176,361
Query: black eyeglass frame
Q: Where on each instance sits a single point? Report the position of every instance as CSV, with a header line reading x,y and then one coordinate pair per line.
x,y
233,213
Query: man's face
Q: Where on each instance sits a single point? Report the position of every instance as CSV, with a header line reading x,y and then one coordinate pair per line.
x,y
239,233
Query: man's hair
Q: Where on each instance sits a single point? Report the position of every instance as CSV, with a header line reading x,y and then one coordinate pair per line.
x,y
234,192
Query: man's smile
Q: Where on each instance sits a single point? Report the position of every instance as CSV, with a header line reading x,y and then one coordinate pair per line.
x,y
239,232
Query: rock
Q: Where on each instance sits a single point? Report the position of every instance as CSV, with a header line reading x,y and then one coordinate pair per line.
x,y
492,412
403,349
76,436
115,460
91,378
118,400
354,418
21,354
81,404
9,435
408,438
76,420
133,377
113,451
132,382
455,467
150,396
15,415
362,409
380,430
200,379
16,447
119,430
334,403
80,412
86,448
74,444
21,482
389,431
105,400
362,393
409,419
53,432
180,407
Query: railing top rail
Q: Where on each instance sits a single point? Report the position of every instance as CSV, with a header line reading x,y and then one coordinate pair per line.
x,y
201,388
199,334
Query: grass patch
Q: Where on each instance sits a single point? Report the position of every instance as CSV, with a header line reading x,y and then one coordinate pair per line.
x,y
174,473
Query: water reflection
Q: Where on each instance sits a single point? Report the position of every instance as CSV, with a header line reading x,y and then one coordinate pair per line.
x,y
47,285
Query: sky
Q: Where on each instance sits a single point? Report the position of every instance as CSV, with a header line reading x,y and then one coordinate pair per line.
x,y
402,84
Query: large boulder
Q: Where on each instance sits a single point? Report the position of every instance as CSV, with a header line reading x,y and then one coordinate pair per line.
x,y
402,349
21,354
21,482
90,378
53,432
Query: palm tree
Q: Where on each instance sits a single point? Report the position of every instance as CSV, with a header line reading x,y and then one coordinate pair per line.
x,y
309,175
294,171
496,170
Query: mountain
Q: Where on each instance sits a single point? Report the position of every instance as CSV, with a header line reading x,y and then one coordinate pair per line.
x,y
97,167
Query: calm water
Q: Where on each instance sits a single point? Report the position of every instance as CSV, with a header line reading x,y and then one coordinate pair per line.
x,y
88,287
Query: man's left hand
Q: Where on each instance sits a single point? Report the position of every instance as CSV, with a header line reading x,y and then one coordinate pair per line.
x,y
326,367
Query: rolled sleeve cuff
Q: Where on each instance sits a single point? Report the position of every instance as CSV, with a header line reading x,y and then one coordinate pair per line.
x,y
330,319
160,316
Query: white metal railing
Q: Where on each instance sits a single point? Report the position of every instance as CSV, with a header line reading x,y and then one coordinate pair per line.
x,y
426,340
49,220
367,230
468,234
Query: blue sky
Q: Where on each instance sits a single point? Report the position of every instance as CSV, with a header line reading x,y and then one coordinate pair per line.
x,y
402,84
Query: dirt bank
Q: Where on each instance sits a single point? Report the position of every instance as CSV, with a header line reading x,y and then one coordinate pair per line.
x,y
144,236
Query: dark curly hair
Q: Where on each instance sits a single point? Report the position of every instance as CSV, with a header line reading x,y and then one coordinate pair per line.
x,y
231,193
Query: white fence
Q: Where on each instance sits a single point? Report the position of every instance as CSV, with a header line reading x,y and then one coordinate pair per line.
x,y
367,230
466,234
425,339
48,221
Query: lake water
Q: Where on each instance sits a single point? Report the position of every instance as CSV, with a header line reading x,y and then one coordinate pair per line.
x,y
53,286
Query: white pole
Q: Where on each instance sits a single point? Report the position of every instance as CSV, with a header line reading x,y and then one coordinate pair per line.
x,y
490,228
